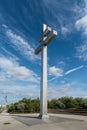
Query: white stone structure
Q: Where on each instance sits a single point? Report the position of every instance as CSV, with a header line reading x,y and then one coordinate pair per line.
x,y
48,35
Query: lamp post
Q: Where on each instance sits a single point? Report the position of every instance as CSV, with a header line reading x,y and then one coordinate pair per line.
x,y
48,36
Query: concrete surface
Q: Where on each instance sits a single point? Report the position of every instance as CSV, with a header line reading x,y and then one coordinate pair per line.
x,y
31,122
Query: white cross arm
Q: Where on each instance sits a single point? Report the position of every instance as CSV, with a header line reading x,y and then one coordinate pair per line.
x,y
50,37
46,32
45,43
39,49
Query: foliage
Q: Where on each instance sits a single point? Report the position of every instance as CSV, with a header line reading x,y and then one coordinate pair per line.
x,y
33,105
25,106
67,102
55,104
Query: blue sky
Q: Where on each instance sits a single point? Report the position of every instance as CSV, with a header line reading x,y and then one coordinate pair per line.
x,y
20,69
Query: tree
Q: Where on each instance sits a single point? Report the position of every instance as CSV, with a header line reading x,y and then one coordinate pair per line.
x,y
25,106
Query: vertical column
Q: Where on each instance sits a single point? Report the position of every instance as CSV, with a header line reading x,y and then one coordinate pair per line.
x,y
43,91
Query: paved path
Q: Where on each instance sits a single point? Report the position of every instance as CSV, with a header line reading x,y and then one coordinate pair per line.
x,y
31,122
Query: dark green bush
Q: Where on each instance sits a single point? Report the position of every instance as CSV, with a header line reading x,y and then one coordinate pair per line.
x,y
25,106
33,105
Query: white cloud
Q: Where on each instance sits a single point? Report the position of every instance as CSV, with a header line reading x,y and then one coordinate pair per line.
x,y
64,31
12,69
81,24
58,91
4,25
16,92
8,53
5,91
20,44
74,69
2,78
82,52
62,63
58,72
68,89
55,71
85,9
22,91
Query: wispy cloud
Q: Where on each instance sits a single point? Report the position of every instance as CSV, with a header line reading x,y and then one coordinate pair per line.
x,y
2,78
55,71
59,72
21,45
58,91
74,69
8,53
82,52
81,25
81,22
61,63
68,89
59,19
19,91
64,31
10,69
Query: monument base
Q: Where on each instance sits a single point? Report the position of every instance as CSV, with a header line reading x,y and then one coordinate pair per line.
x,y
43,116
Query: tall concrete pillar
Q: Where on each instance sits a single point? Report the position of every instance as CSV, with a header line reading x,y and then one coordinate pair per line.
x,y
43,90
